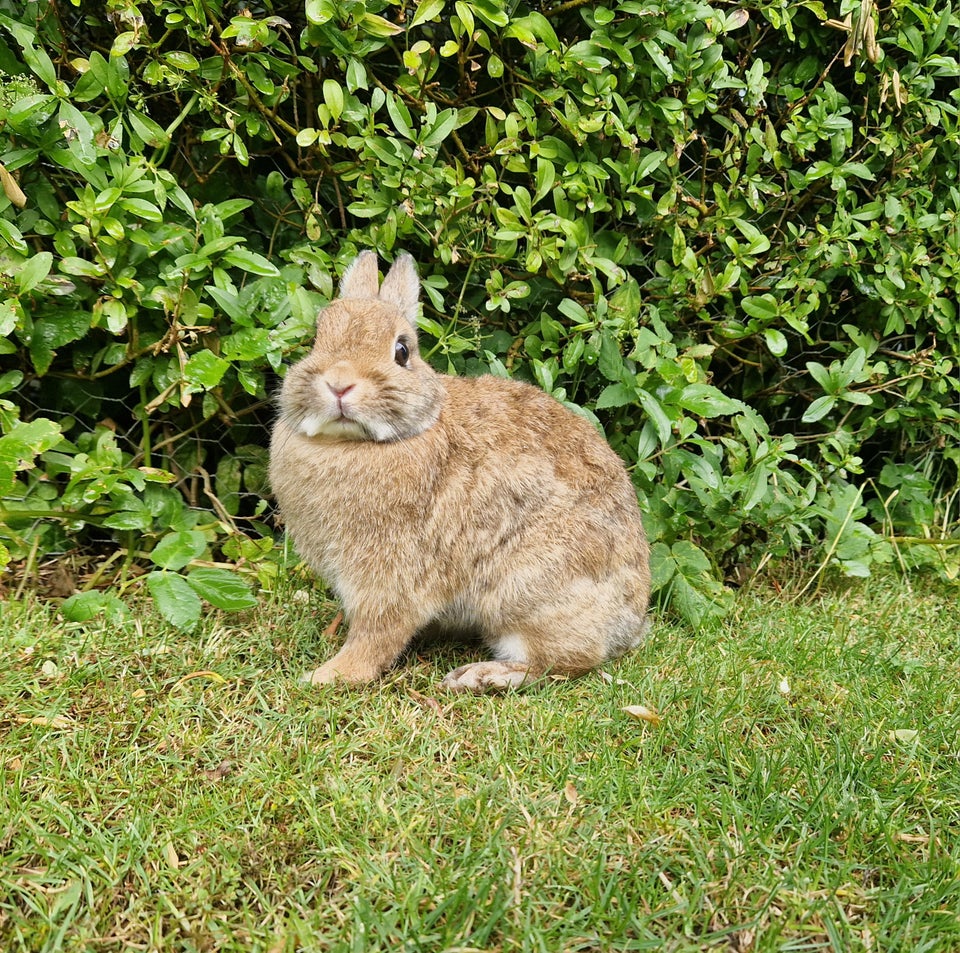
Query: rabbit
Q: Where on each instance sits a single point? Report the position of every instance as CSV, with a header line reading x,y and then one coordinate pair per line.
x,y
478,504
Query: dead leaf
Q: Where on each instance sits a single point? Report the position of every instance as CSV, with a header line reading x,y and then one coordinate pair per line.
x,y
903,734
205,673
11,189
737,18
218,773
870,45
743,941
610,680
570,793
426,701
42,721
334,625
642,713
170,856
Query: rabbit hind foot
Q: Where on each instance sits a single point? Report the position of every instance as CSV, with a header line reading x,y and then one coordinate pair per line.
x,y
482,677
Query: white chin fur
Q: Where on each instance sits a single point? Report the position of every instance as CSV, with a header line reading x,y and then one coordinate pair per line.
x,y
313,425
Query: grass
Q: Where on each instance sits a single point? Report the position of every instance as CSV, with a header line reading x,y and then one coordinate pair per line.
x,y
167,792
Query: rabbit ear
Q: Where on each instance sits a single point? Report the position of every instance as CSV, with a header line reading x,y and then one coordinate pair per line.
x,y
401,287
360,279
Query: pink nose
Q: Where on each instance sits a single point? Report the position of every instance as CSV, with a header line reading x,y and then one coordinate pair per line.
x,y
340,392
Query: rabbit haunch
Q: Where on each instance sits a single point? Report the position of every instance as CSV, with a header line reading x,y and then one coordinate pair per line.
x,y
474,503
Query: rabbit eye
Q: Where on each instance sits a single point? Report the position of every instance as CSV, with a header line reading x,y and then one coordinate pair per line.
x,y
401,353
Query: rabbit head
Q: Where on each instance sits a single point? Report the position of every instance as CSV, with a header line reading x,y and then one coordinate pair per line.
x,y
365,378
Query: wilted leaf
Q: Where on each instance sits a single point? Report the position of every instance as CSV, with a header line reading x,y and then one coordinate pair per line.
x,y
426,701
220,771
206,674
170,856
642,713
43,721
903,734
11,188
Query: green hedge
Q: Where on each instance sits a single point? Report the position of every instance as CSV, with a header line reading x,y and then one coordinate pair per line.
x,y
727,233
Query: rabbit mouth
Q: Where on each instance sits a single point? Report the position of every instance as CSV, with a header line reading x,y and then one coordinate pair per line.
x,y
319,425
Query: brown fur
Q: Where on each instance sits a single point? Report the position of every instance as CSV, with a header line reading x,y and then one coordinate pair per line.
x,y
474,503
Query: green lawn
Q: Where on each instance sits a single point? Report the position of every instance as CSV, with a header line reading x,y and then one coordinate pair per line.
x,y
801,792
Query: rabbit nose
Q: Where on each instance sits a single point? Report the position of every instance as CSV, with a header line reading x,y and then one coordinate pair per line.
x,y
338,391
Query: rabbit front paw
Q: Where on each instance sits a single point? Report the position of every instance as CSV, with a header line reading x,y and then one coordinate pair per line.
x,y
339,670
487,677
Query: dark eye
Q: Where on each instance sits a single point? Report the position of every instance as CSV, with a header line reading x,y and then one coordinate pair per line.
x,y
401,353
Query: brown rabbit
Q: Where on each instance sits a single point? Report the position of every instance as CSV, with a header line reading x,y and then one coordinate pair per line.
x,y
470,503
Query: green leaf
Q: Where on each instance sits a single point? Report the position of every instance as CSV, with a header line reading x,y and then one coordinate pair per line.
x,y
427,10
764,307
37,59
142,209
759,242
662,566
776,342
610,362
22,445
690,558
134,519
87,605
11,235
180,59
445,124
10,380
696,600
150,132
63,328
659,58
356,75
655,413
400,116
821,375
705,400
247,344
616,395
333,97
378,26
250,261
651,161
34,271
221,588
205,369
78,132
819,409
11,314
175,598
320,11
176,550
492,13
856,397
81,268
